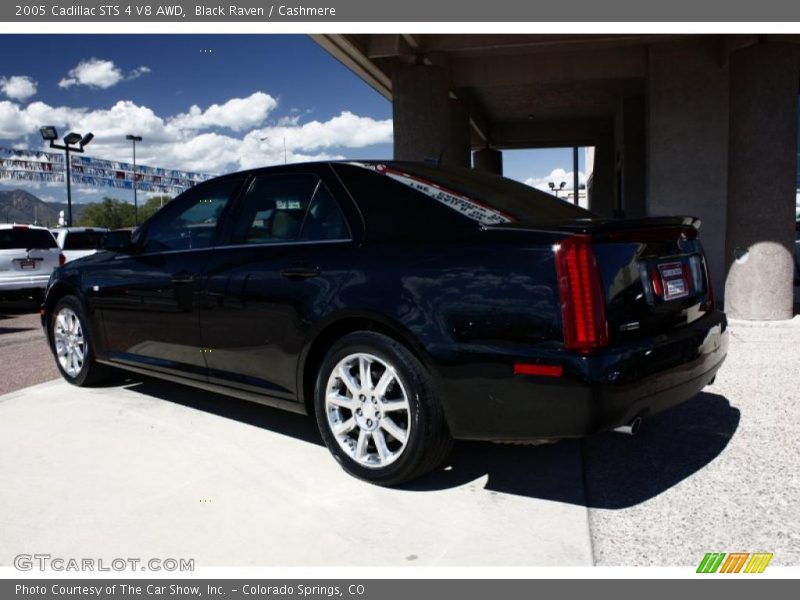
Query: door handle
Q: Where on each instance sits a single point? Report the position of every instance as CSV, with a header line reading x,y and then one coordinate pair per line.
x,y
300,271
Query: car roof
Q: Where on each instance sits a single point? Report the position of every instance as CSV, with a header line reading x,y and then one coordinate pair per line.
x,y
80,229
22,226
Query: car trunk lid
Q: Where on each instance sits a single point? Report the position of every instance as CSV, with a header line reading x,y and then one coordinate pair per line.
x,y
622,280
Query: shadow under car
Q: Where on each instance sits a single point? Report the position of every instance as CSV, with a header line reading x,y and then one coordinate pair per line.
x,y
617,471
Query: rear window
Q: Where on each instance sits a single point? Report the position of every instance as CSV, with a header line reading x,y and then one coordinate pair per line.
x,y
482,197
84,240
20,237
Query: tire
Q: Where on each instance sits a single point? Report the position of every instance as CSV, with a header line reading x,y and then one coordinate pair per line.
x,y
68,330
389,432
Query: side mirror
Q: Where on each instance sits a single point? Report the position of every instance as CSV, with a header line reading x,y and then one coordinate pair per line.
x,y
118,241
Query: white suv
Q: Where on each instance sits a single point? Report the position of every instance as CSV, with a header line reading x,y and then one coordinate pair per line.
x,y
28,255
77,242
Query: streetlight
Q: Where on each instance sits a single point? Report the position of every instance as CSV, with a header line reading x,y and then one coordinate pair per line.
x,y
555,189
264,139
134,139
50,134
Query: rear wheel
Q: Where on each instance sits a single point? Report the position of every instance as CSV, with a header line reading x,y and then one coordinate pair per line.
x,y
377,410
72,344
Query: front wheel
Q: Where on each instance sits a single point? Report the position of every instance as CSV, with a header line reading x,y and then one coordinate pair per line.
x,y
72,345
377,410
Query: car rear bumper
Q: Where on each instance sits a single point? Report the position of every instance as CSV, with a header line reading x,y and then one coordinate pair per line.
x,y
485,400
23,282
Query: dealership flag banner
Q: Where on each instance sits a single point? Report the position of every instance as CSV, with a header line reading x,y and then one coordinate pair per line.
x,y
35,165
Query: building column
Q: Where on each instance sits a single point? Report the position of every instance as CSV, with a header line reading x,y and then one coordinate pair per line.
x,y
601,198
428,124
489,160
687,141
762,179
629,134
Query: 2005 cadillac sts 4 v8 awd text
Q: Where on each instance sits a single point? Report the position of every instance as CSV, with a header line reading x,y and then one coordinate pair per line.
x,y
401,304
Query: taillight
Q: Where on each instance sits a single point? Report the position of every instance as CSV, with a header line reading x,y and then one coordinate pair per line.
x,y
62,260
583,308
658,285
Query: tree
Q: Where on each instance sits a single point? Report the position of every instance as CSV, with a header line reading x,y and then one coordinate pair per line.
x,y
149,208
115,214
110,213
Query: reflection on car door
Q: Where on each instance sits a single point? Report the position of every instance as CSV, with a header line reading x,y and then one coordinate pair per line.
x,y
149,300
288,248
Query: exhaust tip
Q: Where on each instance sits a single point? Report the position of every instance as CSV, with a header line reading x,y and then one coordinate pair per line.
x,y
632,428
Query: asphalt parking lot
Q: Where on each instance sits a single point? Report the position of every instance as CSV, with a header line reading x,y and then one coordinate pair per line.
x,y
152,469
21,344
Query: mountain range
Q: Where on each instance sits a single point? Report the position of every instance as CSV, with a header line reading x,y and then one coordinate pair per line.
x,y
19,206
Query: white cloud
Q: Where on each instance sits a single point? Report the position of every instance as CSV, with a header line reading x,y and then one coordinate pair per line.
x,y
97,73
237,113
224,137
138,72
346,130
93,73
18,87
556,176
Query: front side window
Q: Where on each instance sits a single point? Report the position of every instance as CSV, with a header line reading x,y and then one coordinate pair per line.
x,y
288,208
190,221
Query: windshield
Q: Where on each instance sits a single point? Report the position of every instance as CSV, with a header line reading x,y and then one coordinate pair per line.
x,y
488,199
21,237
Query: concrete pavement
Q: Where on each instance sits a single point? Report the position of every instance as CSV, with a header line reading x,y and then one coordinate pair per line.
x,y
157,470
718,474
153,469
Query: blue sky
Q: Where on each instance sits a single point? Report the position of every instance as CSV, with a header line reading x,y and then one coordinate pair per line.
x,y
206,103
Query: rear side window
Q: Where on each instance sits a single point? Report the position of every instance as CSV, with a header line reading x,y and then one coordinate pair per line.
x,y
20,237
324,219
84,240
284,208
393,210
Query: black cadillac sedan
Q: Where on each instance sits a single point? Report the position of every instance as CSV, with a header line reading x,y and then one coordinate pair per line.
x,y
402,305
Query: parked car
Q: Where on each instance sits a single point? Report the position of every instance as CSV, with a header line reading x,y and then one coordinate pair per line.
x,y
401,304
28,255
77,242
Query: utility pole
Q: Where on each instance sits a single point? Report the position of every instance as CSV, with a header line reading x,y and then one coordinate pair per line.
x,y
134,139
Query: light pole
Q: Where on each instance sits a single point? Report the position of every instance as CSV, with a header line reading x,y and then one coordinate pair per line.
x,y
134,139
50,134
575,183
264,139
555,189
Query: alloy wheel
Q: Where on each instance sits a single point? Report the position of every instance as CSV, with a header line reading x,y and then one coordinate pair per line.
x,y
367,410
69,341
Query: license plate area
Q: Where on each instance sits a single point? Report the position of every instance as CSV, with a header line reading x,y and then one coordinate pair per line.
x,y
673,280
26,264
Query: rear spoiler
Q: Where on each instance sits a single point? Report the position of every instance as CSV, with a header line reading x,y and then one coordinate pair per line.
x,y
595,225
